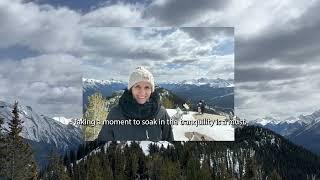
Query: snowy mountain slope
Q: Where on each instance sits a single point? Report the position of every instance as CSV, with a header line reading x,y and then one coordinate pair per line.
x,y
302,130
309,135
39,128
312,118
283,128
289,125
215,133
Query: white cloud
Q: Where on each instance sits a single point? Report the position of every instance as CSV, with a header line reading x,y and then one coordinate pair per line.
x,y
163,50
119,14
48,82
278,98
254,18
41,28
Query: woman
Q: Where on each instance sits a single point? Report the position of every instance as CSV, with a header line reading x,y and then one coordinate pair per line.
x,y
139,102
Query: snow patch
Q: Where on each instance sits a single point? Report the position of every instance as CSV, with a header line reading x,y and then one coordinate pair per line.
x,y
145,145
216,132
63,120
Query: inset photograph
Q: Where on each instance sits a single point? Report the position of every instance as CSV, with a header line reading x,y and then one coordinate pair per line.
x,y
171,84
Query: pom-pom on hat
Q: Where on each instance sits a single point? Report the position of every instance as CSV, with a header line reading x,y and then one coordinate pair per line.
x,y
141,74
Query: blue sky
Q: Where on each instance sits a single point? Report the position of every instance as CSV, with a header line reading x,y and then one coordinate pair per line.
x,y
275,61
17,52
85,6
224,48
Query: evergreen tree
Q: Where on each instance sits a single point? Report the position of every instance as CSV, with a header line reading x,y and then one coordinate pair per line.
x,y
142,166
167,103
107,171
1,123
225,174
251,169
68,160
76,171
153,148
154,167
55,168
193,169
15,125
205,171
20,163
95,169
131,165
118,164
170,170
172,153
97,113
80,152
274,175
3,147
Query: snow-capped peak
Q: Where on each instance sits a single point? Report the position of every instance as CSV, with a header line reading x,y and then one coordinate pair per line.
x,y
312,118
266,120
291,120
63,120
145,145
302,119
93,82
217,83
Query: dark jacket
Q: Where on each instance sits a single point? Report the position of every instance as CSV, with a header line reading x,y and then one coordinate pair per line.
x,y
129,109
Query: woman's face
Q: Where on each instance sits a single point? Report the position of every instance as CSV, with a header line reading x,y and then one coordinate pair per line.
x,y
141,92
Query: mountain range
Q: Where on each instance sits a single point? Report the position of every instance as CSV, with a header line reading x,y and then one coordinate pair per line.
x,y
215,83
303,130
218,93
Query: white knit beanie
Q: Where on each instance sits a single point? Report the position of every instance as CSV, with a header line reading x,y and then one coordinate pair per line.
x,y
141,74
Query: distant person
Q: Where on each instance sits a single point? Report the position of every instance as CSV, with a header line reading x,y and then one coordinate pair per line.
x,y
199,105
203,106
139,101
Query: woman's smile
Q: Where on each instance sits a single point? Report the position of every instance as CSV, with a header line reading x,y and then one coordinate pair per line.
x,y
141,92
